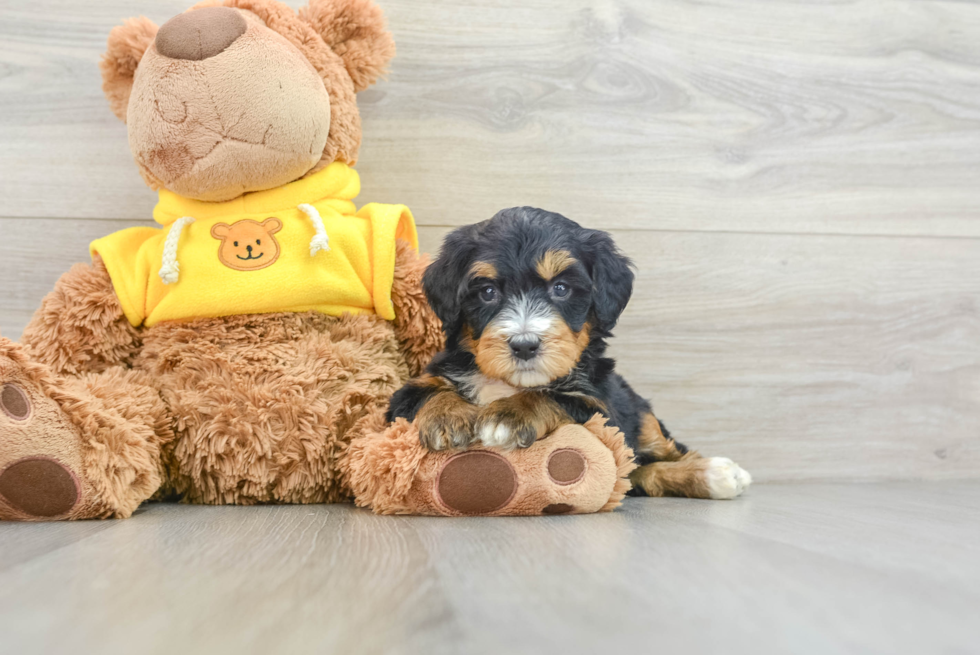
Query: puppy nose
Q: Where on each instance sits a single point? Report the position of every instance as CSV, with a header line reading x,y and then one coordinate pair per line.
x,y
525,347
200,33
248,248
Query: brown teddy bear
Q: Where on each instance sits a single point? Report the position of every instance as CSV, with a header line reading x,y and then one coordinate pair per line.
x,y
230,355
245,350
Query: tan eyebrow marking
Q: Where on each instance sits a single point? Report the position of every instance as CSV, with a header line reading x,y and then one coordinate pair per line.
x,y
554,262
483,269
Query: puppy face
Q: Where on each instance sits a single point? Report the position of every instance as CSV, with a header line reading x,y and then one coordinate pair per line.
x,y
525,291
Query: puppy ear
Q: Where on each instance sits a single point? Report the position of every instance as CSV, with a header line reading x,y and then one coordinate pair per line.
x,y
445,279
355,30
612,278
127,44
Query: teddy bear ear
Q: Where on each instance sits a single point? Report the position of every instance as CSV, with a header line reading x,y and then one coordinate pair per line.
x,y
355,30
127,43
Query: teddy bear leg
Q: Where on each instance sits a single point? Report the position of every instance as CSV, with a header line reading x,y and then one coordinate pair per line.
x,y
76,448
417,328
577,469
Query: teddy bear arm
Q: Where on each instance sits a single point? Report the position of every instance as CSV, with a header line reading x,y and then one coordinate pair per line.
x,y
417,328
80,326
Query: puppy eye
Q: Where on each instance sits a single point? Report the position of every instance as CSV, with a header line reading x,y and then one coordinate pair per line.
x,y
258,242
236,244
560,289
488,293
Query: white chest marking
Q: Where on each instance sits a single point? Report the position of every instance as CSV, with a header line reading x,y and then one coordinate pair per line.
x,y
485,390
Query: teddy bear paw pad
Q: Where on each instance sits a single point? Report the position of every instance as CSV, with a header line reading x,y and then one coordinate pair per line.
x,y
566,466
39,487
14,402
557,508
476,482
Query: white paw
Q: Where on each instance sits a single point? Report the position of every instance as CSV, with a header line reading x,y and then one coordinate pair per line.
x,y
495,435
725,478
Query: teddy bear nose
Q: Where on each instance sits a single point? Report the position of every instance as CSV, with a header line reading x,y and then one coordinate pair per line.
x,y
248,248
200,33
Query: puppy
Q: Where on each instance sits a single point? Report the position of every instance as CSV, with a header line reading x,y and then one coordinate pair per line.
x,y
527,300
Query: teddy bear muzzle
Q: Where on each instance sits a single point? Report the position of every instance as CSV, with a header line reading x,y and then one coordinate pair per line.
x,y
201,34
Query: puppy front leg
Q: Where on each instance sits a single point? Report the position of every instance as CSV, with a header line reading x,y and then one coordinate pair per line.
x,y
519,420
444,418
446,421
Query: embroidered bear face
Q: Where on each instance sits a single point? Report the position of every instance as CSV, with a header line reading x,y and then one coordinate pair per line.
x,y
248,245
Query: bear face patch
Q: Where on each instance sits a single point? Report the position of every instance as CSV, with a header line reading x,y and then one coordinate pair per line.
x,y
248,245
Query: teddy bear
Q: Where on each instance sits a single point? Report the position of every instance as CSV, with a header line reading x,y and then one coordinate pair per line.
x,y
229,354
244,350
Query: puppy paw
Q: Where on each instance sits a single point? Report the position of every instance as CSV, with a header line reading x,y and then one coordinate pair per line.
x,y
505,430
725,479
446,431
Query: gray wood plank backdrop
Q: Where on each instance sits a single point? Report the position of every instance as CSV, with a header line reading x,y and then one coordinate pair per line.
x,y
798,182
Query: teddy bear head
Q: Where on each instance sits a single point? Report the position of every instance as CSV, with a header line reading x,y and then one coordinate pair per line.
x,y
234,96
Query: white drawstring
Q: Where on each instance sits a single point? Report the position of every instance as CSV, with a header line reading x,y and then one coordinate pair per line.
x,y
320,241
170,270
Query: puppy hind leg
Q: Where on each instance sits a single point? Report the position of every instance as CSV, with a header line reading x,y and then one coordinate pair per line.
x,y
656,443
692,476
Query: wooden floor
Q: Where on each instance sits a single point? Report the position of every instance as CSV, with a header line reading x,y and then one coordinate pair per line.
x,y
799,184
808,568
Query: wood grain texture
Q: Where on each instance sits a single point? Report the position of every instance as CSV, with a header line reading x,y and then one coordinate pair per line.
x,y
802,357
815,357
853,116
889,568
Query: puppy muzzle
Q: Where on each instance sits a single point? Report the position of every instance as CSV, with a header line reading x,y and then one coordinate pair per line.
x,y
525,324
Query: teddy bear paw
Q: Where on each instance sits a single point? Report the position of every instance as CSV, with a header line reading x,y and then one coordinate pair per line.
x,y
39,451
570,472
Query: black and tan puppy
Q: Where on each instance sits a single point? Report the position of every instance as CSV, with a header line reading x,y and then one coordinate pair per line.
x,y
527,300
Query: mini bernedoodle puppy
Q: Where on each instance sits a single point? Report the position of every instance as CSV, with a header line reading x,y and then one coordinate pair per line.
x,y
527,300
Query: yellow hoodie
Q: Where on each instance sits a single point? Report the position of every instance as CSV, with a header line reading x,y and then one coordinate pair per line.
x,y
300,247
